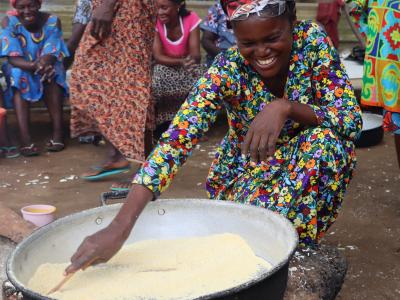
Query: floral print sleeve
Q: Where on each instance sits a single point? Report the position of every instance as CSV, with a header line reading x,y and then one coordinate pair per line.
x,y
192,120
336,106
358,14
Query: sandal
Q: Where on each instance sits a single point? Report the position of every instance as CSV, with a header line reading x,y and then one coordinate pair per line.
x,y
53,146
31,150
10,152
120,186
104,171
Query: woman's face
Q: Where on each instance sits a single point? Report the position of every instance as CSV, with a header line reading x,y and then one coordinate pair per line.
x,y
266,43
167,11
28,11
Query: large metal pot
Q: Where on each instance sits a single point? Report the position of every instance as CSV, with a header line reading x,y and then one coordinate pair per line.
x,y
271,236
372,131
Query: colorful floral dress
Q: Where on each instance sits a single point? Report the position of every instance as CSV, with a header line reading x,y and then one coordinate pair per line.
x,y
18,41
312,166
379,23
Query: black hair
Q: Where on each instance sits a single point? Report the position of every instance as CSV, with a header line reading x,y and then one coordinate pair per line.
x,y
183,11
290,10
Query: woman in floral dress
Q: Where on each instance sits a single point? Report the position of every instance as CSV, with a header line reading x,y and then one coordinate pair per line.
x,y
292,121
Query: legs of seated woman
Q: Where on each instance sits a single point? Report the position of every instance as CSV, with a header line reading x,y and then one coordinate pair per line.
x,y
53,99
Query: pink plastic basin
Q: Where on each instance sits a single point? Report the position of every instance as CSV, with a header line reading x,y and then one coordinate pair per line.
x,y
39,214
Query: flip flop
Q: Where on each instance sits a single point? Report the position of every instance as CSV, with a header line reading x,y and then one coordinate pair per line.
x,y
53,146
105,173
10,152
122,189
31,150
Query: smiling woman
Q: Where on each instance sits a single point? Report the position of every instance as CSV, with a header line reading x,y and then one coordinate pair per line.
x,y
292,120
33,45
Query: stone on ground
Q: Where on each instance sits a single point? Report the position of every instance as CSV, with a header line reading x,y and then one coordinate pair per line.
x,y
316,274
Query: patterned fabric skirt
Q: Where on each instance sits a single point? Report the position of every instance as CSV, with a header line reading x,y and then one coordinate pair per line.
x,y
170,87
110,81
305,181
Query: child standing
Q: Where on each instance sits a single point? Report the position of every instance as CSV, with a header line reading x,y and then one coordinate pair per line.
x,y
32,42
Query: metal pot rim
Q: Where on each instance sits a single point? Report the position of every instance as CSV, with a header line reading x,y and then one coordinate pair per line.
x,y
260,277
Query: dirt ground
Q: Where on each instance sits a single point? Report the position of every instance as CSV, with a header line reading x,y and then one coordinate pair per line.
x,y
367,230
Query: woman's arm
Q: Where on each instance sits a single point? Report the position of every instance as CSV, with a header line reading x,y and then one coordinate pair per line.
x,y
194,45
104,244
261,138
335,105
14,53
102,19
161,58
155,175
208,42
22,63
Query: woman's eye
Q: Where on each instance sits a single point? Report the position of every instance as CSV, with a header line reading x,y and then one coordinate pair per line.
x,y
273,39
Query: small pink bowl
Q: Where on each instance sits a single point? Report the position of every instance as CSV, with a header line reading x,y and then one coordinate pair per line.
x,y
39,214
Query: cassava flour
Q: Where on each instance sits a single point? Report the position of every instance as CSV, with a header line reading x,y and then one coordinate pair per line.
x,y
183,268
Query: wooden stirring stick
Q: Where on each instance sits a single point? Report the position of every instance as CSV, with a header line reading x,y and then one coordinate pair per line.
x,y
62,282
68,277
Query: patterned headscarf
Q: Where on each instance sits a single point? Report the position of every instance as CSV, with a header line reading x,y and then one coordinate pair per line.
x,y
14,12
241,9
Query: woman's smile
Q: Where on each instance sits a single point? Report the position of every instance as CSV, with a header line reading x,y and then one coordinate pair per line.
x,y
266,62
265,43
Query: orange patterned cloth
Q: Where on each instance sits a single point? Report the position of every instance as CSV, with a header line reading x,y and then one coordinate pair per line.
x,y
110,80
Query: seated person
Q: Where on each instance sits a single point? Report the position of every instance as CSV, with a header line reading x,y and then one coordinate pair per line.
x,y
217,36
33,44
176,53
293,119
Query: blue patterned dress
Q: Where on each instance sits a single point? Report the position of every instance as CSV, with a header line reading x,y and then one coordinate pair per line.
x,y
18,41
306,178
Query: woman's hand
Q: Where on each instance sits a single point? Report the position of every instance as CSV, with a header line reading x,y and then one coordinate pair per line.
x,y
44,66
97,248
261,138
102,19
189,63
104,244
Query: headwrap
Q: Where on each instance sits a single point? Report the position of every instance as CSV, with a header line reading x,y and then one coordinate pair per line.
x,y
14,12
241,9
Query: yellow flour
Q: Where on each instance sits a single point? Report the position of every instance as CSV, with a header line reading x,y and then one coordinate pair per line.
x,y
159,269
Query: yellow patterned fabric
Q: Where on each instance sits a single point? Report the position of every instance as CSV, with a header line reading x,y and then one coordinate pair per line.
x,y
379,23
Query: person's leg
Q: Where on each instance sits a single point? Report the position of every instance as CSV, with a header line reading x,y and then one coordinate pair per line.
x,y
53,100
126,185
3,131
22,112
115,163
397,143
